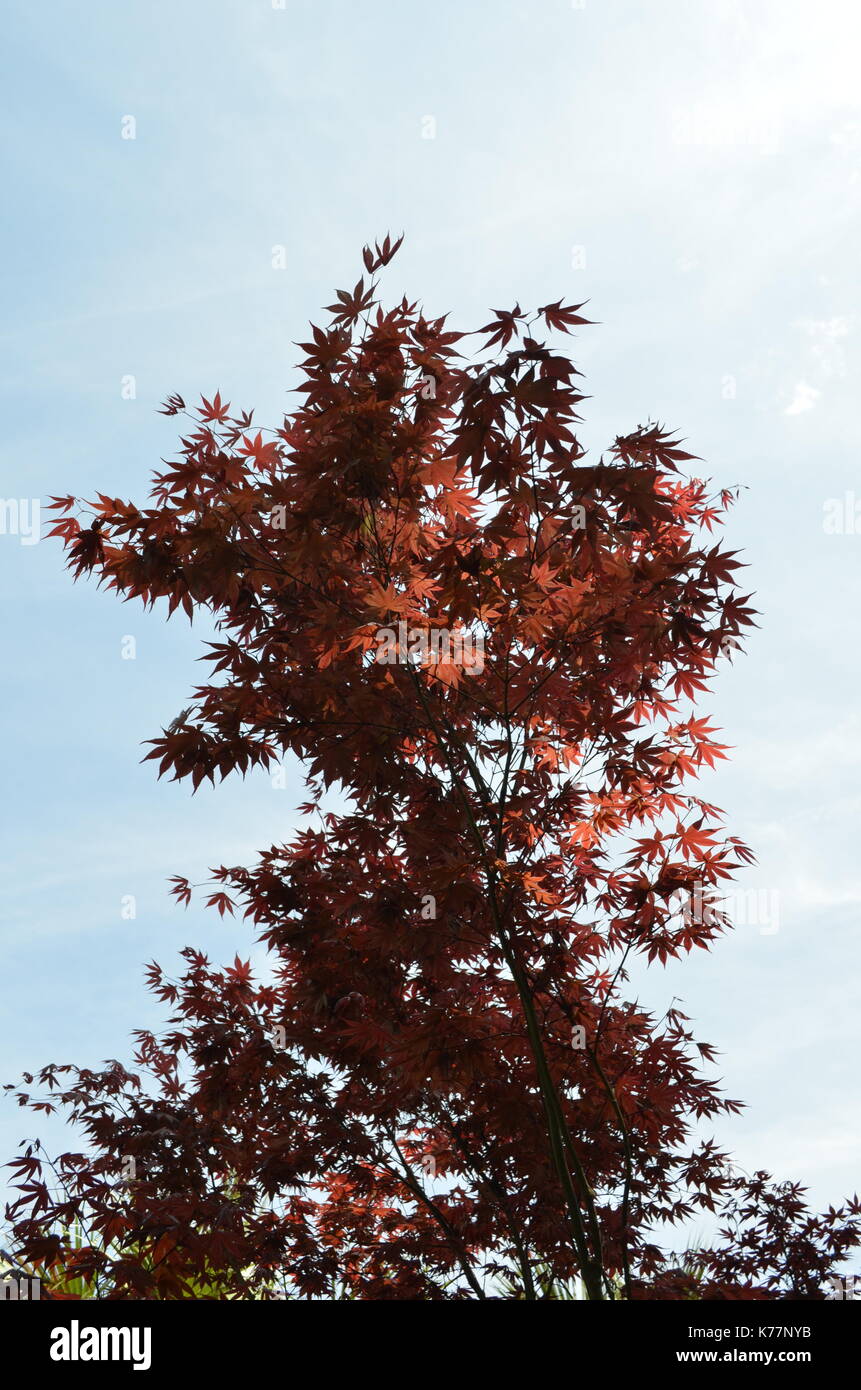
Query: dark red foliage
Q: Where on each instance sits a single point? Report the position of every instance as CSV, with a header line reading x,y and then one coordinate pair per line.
x,y
443,1083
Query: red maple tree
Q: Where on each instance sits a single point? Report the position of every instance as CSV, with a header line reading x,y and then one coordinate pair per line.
x,y
489,646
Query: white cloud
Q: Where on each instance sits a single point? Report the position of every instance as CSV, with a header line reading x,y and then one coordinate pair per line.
x,y
826,350
804,398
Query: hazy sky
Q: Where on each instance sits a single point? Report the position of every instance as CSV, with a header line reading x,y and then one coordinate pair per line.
x,y
693,169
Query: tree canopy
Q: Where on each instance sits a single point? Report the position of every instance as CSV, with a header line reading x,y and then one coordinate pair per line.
x,y
491,648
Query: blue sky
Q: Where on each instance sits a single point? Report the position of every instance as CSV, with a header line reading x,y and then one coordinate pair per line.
x,y
693,170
